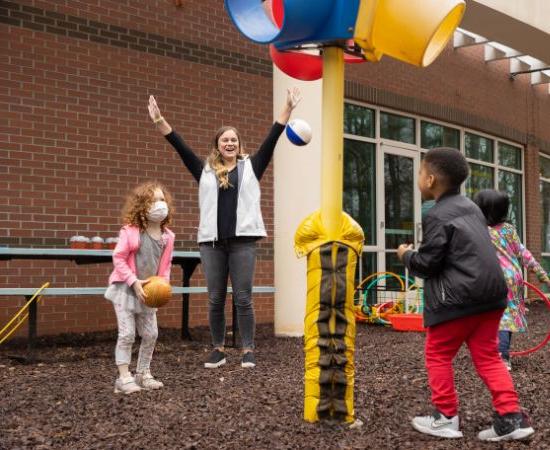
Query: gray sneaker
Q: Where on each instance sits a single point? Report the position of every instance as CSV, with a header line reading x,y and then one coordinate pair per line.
x,y
438,425
248,360
215,360
126,385
512,426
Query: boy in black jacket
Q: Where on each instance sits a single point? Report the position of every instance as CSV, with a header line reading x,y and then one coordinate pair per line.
x,y
464,296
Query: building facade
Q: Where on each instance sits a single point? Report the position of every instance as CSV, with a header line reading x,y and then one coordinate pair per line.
x,y
76,138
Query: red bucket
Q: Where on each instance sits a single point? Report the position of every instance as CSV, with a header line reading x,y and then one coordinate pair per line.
x,y
407,322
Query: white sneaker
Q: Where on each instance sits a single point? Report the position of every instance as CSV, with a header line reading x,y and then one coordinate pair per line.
x,y
438,425
147,382
126,385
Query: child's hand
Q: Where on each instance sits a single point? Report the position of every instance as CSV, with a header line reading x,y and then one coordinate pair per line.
x,y
138,289
402,249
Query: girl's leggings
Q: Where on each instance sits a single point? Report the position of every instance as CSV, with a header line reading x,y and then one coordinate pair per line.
x,y
504,342
146,325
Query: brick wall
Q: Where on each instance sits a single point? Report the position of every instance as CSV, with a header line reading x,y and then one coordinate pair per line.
x,y
76,137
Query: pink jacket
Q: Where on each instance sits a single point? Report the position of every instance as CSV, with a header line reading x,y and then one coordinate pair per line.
x,y
124,256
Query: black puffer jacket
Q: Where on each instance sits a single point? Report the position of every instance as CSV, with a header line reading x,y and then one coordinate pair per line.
x,y
458,262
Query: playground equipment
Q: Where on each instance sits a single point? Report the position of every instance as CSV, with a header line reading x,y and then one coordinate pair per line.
x,y
17,319
413,31
400,307
534,290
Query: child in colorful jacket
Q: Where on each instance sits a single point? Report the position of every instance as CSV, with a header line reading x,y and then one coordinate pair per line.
x,y
513,257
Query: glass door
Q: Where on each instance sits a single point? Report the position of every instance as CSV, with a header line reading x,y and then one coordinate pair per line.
x,y
399,207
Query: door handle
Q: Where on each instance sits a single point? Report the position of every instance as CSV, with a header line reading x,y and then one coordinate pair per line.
x,y
418,237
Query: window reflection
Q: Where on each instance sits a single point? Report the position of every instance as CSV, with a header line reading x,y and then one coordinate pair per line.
x,y
397,128
360,185
481,177
358,120
399,200
434,135
511,184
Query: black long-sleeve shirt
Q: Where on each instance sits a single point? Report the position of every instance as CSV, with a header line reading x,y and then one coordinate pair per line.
x,y
227,198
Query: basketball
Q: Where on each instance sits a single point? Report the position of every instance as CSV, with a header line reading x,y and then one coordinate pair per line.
x,y
158,292
298,132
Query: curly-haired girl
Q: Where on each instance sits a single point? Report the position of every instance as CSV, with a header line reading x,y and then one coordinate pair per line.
x,y
144,249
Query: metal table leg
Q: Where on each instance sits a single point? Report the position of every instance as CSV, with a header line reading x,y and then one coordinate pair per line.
x,y
187,268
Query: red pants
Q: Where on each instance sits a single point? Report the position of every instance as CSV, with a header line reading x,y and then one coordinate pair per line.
x,y
480,334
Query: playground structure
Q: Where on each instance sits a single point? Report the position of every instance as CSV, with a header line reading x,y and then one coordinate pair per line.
x,y
411,31
375,301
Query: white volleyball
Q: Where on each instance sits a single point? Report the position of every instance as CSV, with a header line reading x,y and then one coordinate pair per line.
x,y
298,132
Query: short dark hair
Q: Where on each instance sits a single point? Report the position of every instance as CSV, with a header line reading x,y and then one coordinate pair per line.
x,y
449,164
494,205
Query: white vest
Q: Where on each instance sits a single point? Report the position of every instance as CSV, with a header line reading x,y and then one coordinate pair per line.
x,y
249,214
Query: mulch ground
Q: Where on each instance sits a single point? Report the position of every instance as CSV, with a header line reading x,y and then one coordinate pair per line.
x,y
66,401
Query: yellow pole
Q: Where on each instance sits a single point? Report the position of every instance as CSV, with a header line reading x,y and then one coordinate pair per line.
x,y
332,150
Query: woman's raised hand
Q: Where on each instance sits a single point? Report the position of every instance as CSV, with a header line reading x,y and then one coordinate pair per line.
x,y
156,117
293,97
154,111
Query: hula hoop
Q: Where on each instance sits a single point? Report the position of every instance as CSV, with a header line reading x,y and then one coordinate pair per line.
x,y
545,340
21,311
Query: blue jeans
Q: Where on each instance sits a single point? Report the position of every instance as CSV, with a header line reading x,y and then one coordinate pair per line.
x,y
236,258
504,342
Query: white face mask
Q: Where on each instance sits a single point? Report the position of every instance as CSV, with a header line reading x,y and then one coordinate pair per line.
x,y
158,212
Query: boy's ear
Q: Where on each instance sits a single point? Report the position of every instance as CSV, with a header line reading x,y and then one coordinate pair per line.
x,y
431,180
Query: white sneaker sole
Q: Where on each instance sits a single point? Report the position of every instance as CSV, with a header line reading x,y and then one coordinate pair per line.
x,y
516,435
248,365
143,388
215,365
119,391
439,432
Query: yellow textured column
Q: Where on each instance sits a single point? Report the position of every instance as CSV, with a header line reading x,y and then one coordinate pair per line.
x,y
332,159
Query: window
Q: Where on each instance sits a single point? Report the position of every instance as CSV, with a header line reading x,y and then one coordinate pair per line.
x,y
435,135
358,120
509,156
481,177
397,128
478,147
482,172
360,185
510,180
494,164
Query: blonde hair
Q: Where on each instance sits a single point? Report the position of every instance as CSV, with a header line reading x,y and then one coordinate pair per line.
x,y
140,200
215,159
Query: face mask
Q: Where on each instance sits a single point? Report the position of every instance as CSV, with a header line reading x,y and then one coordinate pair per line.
x,y
158,212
